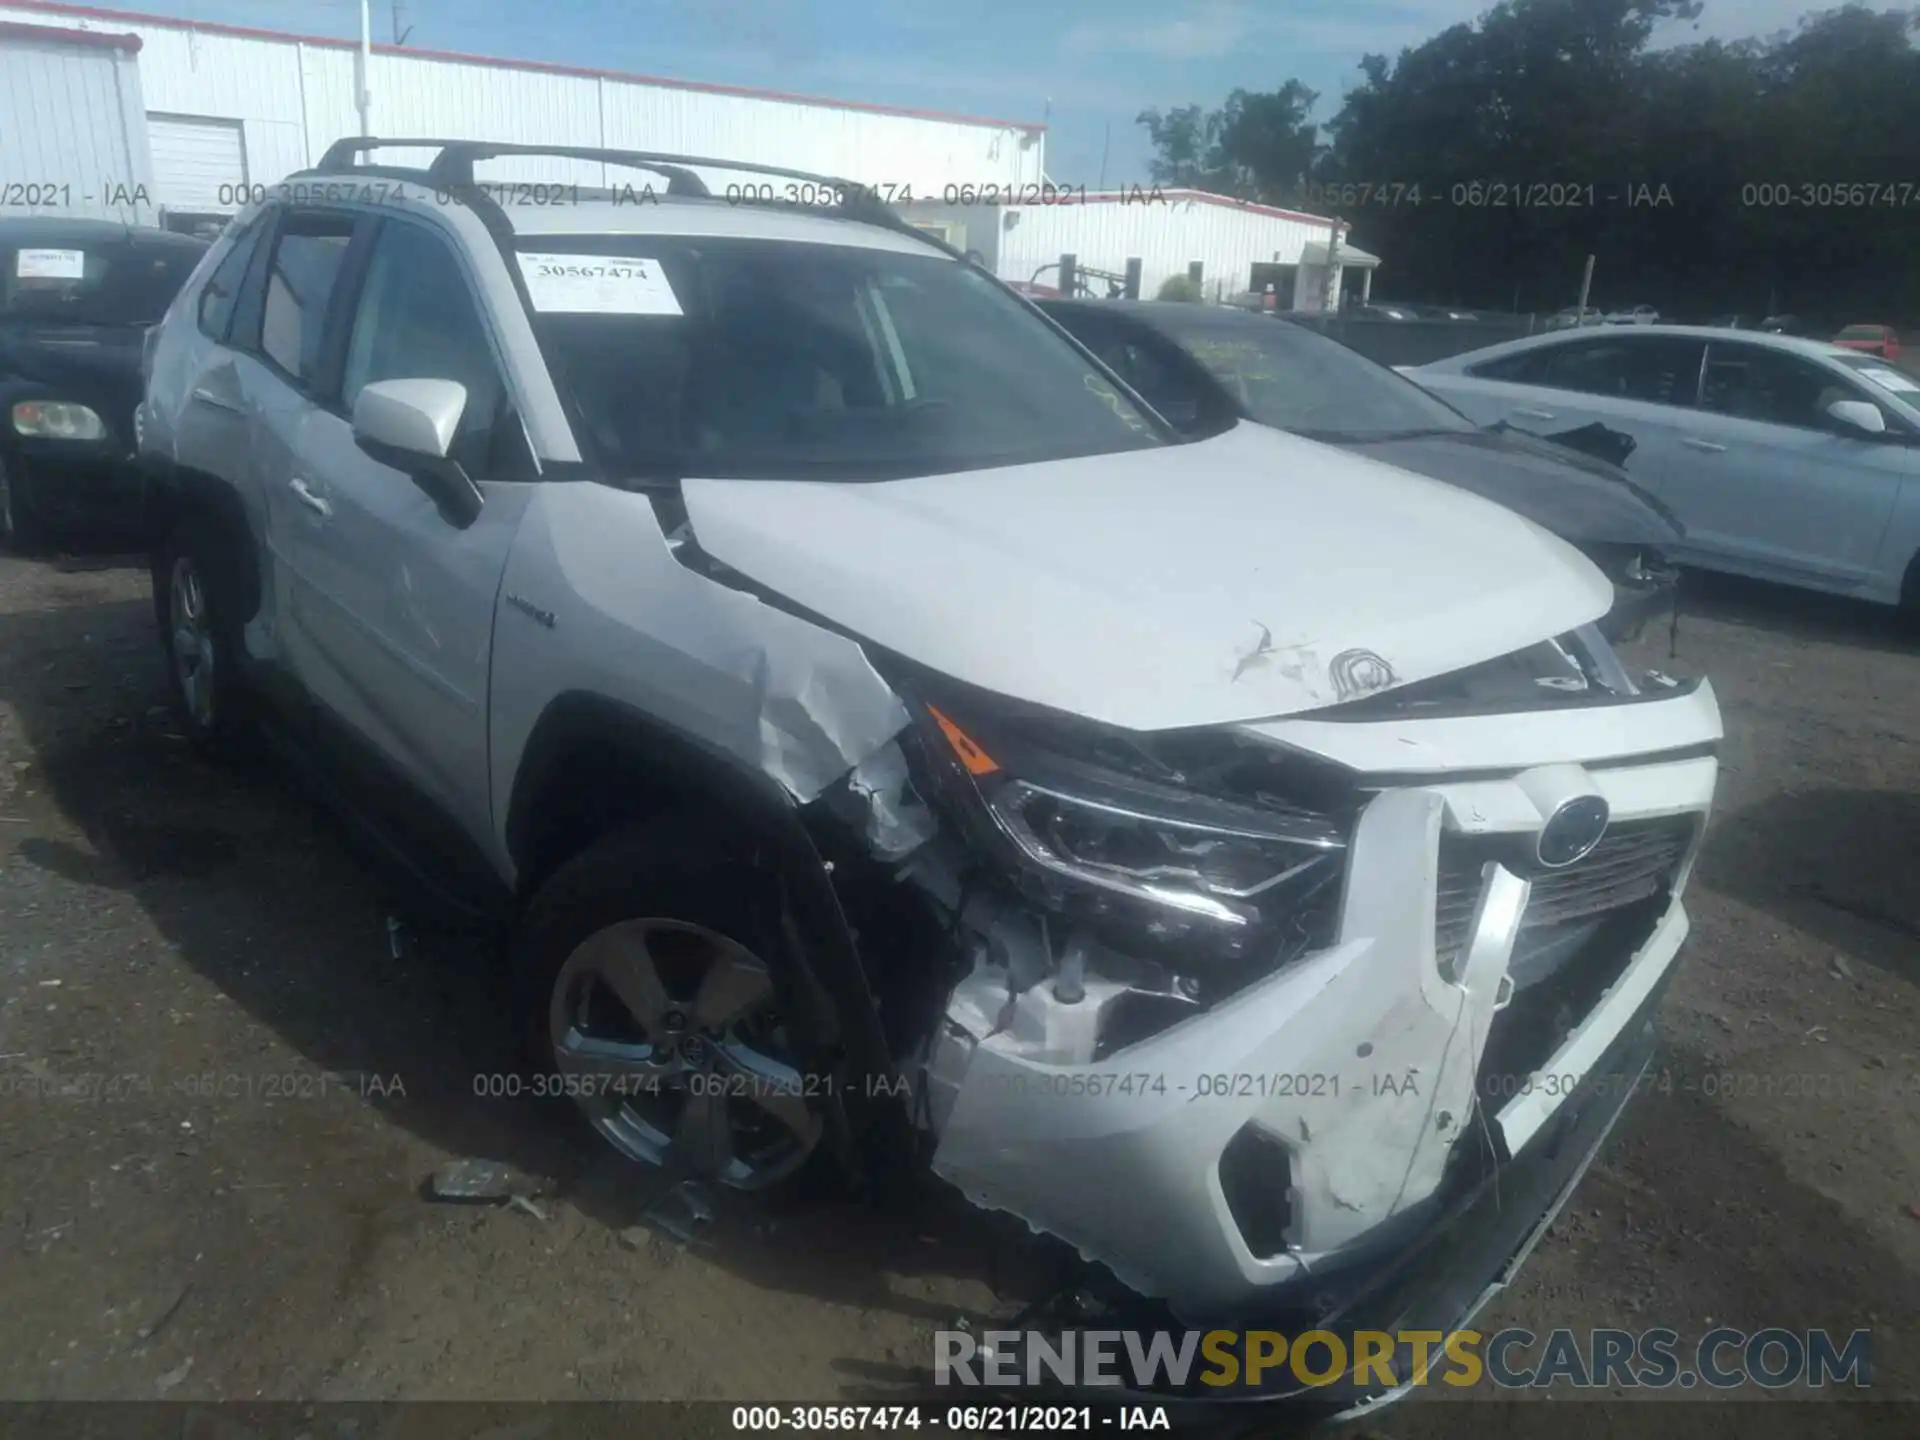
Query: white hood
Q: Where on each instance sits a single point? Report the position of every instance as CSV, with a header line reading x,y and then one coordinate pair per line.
x,y
1246,577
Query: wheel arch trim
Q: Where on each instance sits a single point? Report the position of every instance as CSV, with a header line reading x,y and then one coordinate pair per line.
x,y
819,942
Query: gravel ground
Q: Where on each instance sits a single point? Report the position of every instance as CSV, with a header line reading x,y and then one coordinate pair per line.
x,y
228,1204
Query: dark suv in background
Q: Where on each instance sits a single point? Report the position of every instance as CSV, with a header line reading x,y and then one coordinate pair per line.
x,y
76,300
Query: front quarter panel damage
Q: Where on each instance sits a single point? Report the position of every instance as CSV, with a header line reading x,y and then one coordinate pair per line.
x,y
630,623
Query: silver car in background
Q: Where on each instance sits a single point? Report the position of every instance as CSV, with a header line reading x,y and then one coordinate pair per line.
x,y
1790,460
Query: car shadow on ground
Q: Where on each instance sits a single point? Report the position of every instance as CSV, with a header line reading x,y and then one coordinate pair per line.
x,y
1837,864
1788,610
258,894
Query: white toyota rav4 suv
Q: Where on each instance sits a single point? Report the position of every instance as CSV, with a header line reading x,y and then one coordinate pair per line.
x,y
880,740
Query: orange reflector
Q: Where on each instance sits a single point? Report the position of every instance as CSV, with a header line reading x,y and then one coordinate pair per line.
x,y
977,761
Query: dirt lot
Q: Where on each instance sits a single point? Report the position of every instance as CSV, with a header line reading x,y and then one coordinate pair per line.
x,y
231,1206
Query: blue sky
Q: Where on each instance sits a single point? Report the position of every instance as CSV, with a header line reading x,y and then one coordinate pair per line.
x,y
1087,69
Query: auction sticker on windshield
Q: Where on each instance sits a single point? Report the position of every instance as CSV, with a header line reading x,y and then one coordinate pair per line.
x,y
51,264
1892,380
598,285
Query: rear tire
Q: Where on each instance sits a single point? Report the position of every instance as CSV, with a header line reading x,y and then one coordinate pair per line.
x,y
643,978
21,529
196,603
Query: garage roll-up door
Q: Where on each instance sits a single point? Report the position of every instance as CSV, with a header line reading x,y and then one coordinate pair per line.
x,y
197,164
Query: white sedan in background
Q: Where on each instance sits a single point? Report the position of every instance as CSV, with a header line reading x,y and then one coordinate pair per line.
x,y
1786,459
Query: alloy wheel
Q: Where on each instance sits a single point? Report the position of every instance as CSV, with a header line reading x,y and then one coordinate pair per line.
x,y
668,1037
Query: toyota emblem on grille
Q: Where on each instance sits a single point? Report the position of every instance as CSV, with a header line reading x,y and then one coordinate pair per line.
x,y
1572,831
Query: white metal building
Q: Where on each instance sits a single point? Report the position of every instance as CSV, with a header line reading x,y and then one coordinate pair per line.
x,y
72,137
1237,247
231,109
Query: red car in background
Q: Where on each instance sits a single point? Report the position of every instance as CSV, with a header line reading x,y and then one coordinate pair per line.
x,y
1873,339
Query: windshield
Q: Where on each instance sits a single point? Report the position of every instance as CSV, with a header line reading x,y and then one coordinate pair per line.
x,y
1863,332
1890,379
110,284
733,358
1293,379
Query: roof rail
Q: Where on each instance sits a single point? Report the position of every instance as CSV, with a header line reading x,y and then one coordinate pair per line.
x,y
452,169
453,166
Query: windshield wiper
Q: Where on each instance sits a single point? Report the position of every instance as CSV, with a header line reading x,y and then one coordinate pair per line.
x,y
1368,437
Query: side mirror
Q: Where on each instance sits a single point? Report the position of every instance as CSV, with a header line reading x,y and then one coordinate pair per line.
x,y
410,425
1858,415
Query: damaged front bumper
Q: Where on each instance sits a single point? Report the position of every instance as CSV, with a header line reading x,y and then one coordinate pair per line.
x,y
1316,1124
1474,1236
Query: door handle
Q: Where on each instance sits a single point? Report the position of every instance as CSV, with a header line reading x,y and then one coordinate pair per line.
x,y
1527,414
313,502
216,400
1693,443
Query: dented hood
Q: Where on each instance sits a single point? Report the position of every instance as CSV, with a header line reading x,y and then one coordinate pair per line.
x,y
1248,576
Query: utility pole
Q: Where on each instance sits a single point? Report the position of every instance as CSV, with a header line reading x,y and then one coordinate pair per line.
x,y
365,70
1332,302
1586,288
1105,140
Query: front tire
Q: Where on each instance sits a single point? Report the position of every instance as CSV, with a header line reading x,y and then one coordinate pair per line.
x,y
642,971
198,612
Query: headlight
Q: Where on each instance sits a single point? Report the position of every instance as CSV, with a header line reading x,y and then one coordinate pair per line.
x,y
1214,873
57,420
1150,860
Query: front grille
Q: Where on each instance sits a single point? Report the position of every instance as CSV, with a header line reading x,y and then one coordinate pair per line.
x,y
1636,860
1581,927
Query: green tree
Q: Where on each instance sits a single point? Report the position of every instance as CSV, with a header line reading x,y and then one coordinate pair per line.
x,y
1259,147
1704,176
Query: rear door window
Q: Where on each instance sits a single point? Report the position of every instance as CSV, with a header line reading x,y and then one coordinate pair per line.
x,y
1522,369
1656,370
222,290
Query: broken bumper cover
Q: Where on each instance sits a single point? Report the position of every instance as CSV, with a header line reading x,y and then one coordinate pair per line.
x,y
1477,1234
1357,1072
